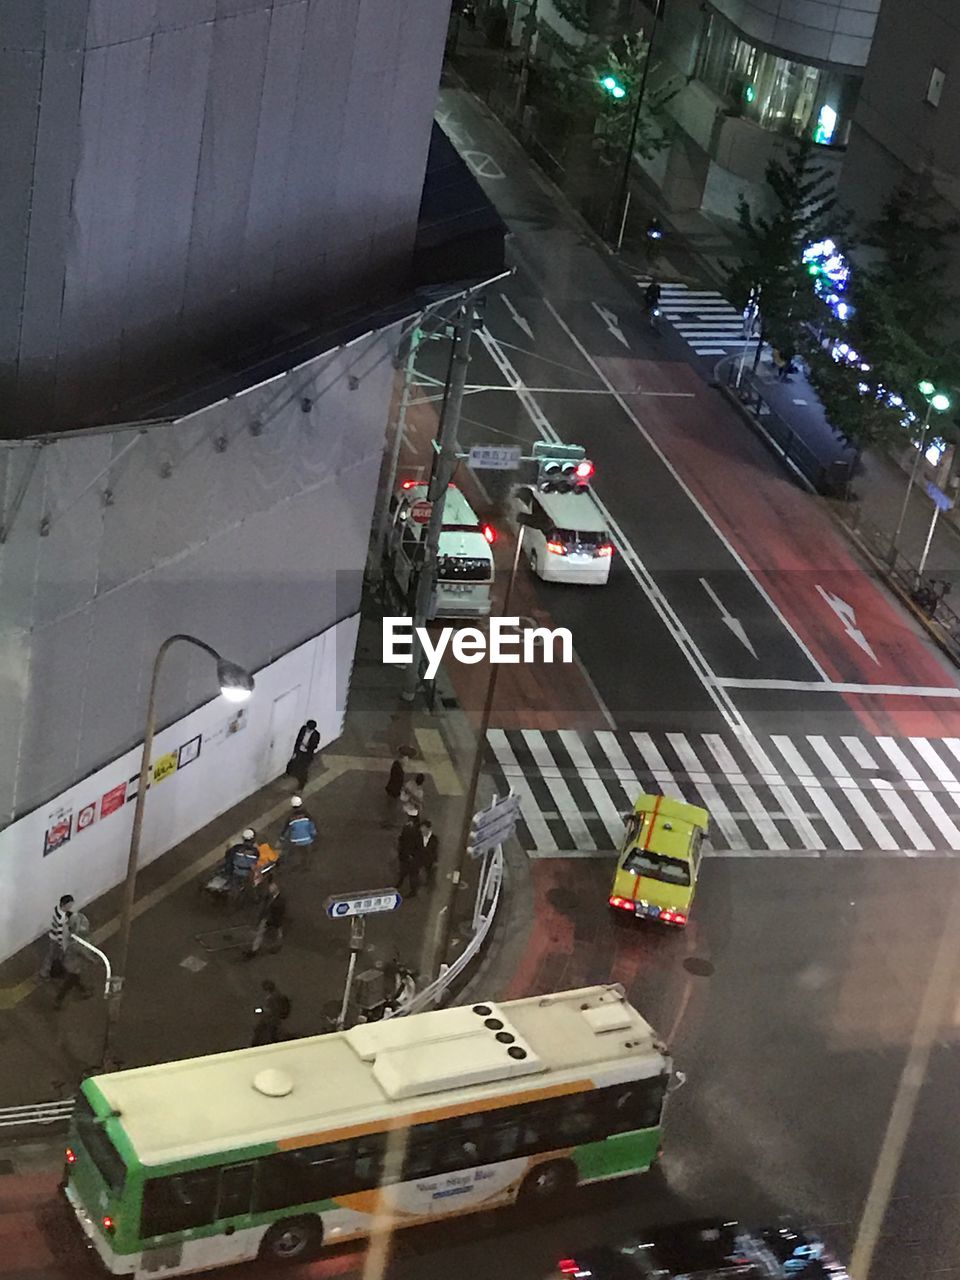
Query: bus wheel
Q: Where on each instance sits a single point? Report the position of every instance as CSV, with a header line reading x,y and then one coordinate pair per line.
x,y
292,1239
547,1183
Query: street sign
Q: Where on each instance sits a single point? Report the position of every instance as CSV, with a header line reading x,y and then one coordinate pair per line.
x,y
420,511
367,903
492,826
940,499
494,457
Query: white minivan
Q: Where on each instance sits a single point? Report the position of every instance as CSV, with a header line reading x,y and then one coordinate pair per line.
x,y
566,538
465,561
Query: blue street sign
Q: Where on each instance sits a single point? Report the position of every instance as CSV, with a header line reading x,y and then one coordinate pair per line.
x,y
367,903
939,498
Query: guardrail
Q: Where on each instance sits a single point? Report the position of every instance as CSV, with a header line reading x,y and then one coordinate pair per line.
x,y
38,1113
488,899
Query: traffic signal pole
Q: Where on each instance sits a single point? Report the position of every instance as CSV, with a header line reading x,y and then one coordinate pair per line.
x,y
445,465
628,158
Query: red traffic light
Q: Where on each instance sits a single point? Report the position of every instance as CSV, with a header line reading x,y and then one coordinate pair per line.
x,y
585,471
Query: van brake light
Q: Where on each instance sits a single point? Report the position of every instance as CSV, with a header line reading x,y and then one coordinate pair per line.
x,y
490,533
624,903
556,548
605,550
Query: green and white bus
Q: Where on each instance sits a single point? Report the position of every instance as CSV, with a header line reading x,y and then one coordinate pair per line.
x,y
274,1151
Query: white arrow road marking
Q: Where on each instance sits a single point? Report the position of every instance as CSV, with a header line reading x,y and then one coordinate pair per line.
x,y
517,318
483,165
848,616
612,322
735,625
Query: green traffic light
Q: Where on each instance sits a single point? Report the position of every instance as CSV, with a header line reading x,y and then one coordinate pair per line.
x,y
926,388
813,269
750,93
613,87
940,402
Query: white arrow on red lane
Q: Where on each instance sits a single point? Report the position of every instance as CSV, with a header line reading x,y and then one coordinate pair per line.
x,y
612,321
735,625
848,616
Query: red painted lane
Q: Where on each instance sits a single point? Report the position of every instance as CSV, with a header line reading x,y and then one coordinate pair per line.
x,y
793,547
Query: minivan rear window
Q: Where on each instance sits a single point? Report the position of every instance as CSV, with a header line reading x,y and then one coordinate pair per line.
x,y
572,537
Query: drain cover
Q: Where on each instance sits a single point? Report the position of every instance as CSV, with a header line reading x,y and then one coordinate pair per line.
x,y
699,967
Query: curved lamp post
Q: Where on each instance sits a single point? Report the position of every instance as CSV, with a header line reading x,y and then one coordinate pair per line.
x,y
236,685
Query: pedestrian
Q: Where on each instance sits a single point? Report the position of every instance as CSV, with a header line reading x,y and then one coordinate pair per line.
x,y
409,851
273,911
394,788
411,797
304,749
78,925
428,852
58,938
271,1013
299,832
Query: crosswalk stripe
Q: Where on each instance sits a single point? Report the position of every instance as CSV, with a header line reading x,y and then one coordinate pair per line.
x,y
711,796
568,808
539,831
835,819
608,811
858,800
880,795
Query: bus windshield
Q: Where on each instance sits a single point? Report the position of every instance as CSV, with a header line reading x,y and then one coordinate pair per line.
x,y
97,1144
656,866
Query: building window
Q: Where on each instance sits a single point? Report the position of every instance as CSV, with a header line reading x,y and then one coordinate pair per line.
x,y
778,94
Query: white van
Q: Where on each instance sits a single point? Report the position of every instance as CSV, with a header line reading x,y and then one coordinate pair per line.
x,y
566,538
465,563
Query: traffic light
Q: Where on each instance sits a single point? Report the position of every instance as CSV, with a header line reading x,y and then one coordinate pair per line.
x,y
562,468
610,84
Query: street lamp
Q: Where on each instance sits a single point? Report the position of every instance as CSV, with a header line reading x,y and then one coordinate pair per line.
x,y
935,400
236,685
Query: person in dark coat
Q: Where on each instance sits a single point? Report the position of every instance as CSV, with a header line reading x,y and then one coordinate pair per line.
x,y
409,851
428,852
394,788
272,1012
273,913
304,749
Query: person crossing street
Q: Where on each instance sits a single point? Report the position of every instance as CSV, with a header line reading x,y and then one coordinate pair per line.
x,y
298,834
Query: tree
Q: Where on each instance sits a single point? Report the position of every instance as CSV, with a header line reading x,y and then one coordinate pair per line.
x,y
774,245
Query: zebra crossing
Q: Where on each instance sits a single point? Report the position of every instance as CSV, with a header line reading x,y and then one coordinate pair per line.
x,y
767,795
702,317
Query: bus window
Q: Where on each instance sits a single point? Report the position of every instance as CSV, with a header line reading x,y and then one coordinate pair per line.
x,y
97,1144
236,1190
636,1105
179,1202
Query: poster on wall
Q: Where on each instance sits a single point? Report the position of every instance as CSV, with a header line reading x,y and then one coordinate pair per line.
x,y
164,765
227,728
86,816
59,825
188,752
113,800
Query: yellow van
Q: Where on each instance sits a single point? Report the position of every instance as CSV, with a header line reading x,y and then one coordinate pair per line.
x,y
660,859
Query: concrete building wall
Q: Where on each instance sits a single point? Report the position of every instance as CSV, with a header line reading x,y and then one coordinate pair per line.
x,y
837,31
176,170
246,524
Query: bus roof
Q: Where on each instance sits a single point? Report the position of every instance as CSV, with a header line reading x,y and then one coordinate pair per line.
x,y
381,1075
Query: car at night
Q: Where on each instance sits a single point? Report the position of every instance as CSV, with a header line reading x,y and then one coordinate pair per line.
x,y
659,860
707,1249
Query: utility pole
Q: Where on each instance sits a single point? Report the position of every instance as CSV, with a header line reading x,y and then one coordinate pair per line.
x,y
529,33
409,369
620,201
445,465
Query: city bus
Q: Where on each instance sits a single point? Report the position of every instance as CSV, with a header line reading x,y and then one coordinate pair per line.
x,y
275,1151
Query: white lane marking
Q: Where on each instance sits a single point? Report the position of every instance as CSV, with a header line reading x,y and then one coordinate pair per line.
x,y
748,797
840,686
713,801
608,812
686,490
865,810
540,833
630,784
861,755
629,556
567,806
734,624
891,798
519,320
934,809
815,790
658,767
924,749
848,619
612,322
952,745
788,801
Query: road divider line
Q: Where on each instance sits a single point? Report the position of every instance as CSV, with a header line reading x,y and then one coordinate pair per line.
x,y
839,686
748,572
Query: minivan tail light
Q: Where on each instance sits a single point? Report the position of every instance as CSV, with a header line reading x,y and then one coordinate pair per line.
x,y
605,550
490,533
623,903
556,548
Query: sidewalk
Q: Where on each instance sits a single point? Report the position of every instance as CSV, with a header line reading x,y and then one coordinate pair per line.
x,y
189,989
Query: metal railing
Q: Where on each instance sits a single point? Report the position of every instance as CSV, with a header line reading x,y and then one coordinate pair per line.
x,y
832,479
38,1113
